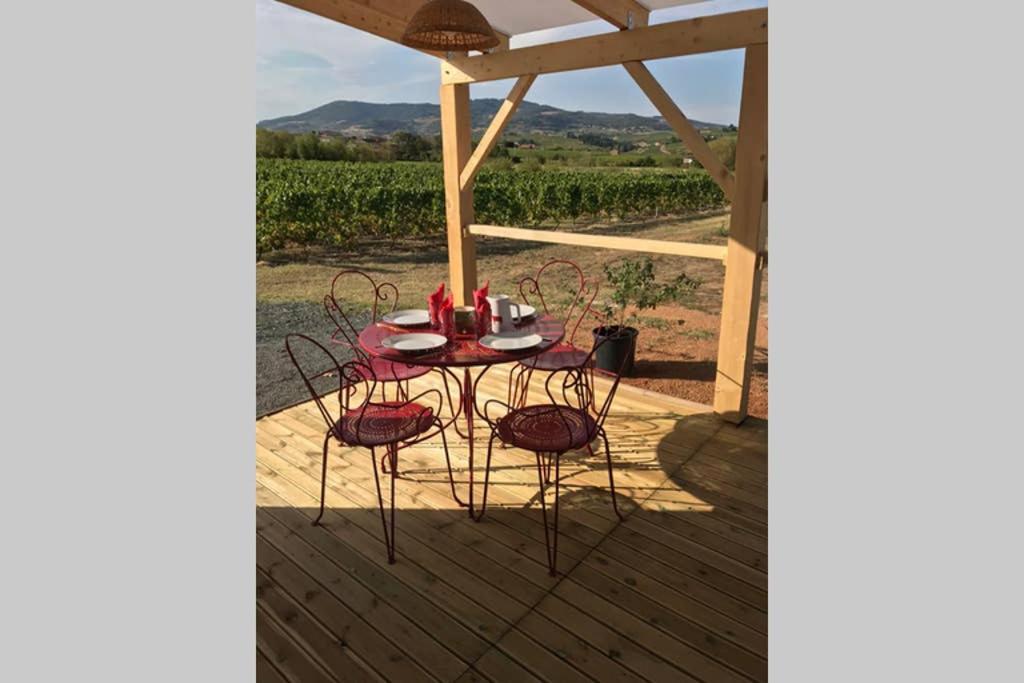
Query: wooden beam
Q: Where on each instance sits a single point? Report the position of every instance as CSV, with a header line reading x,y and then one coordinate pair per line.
x,y
690,136
503,42
493,132
363,16
708,251
742,292
402,9
691,36
384,18
456,145
617,12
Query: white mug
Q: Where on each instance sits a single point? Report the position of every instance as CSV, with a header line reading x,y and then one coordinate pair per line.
x,y
502,319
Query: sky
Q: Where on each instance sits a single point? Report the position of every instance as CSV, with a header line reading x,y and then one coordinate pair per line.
x,y
304,61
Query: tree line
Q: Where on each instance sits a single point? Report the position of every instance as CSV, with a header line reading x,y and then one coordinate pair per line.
x,y
401,146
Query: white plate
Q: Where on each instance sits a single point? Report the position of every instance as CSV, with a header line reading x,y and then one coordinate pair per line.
x,y
416,342
525,311
510,342
409,318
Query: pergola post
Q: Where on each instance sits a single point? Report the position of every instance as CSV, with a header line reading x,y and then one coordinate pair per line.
x,y
456,146
742,293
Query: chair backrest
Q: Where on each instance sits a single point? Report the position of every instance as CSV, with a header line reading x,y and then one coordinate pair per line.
x,y
318,363
380,295
561,289
580,387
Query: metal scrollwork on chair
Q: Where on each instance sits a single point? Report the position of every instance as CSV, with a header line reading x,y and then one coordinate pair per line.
x,y
363,422
542,290
569,422
346,332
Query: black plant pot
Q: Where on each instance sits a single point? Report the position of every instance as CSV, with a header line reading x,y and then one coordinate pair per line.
x,y
619,351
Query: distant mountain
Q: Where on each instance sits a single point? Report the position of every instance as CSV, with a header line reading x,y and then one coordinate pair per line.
x,y
370,119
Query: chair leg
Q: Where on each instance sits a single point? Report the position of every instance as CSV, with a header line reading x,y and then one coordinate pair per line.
x,y
323,479
384,466
387,521
448,461
524,394
513,384
611,476
550,538
487,478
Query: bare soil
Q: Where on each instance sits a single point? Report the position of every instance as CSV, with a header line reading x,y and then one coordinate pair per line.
x,y
679,359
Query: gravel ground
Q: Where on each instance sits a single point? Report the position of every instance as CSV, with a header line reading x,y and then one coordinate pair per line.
x,y
278,384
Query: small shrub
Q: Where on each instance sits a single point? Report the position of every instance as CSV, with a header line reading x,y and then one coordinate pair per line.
x,y
633,284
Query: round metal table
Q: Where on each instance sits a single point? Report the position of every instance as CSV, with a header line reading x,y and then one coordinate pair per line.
x,y
463,352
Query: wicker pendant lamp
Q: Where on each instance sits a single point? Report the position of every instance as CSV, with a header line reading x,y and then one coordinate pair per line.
x,y
449,26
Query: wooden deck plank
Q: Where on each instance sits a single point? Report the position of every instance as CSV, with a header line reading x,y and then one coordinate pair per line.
x,y
361,507
372,593
676,592
545,664
718,579
508,492
699,650
635,581
445,517
489,596
351,622
745,568
425,570
286,656
749,503
265,671
659,643
692,498
674,514
692,586
497,666
598,634
598,664
727,471
726,544
331,653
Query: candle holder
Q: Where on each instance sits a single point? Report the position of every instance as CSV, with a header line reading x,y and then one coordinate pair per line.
x,y
465,320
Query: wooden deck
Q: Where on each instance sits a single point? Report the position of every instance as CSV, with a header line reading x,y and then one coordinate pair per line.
x,y
677,592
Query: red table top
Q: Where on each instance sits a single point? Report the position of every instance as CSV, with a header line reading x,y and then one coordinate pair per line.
x,y
463,351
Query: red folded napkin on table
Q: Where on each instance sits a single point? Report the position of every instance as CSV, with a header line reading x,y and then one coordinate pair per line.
x,y
483,310
446,317
434,301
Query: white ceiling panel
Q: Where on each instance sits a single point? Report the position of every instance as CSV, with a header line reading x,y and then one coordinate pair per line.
x,y
514,17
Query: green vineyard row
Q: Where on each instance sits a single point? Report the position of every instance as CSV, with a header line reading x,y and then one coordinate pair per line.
x,y
334,203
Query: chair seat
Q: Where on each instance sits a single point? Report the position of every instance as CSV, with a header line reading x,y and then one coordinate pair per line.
x,y
558,357
383,423
390,371
542,428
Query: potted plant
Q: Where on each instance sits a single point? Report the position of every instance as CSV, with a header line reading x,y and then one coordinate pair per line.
x,y
633,288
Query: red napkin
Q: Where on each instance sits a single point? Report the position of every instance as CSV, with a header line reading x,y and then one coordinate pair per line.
x,y
483,310
446,317
434,301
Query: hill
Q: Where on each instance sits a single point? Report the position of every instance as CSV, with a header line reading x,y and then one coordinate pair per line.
x,y
362,119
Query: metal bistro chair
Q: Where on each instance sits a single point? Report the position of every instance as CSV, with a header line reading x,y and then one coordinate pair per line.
x,y
391,425
542,289
568,423
347,334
